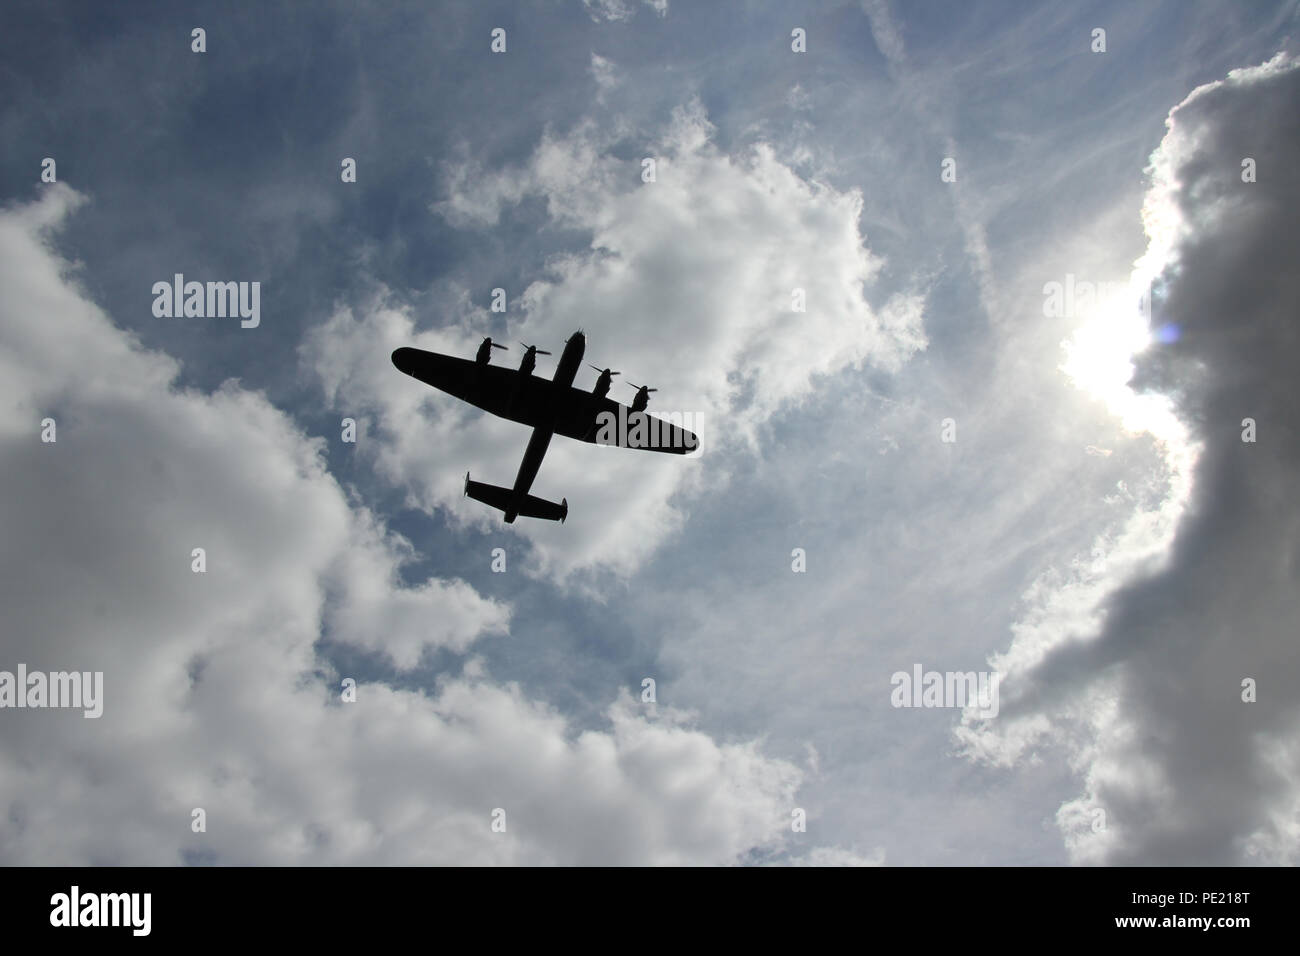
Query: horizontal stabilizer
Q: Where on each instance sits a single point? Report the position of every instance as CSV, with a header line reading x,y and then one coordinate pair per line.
x,y
504,499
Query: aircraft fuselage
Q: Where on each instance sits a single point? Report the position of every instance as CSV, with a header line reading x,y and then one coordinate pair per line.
x,y
570,362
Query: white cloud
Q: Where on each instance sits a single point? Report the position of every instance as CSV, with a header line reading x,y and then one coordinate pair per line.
x,y
215,694
609,10
620,11
687,286
834,856
604,74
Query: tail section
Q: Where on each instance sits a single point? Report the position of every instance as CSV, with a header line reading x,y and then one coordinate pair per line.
x,y
504,499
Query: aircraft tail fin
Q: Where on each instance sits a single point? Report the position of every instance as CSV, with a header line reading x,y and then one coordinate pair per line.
x,y
503,499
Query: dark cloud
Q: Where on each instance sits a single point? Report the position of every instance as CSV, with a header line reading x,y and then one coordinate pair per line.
x,y
1186,772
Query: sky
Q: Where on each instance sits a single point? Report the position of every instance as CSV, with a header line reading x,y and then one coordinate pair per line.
x,y
987,313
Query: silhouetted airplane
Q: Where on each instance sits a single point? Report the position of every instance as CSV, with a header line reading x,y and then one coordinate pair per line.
x,y
549,408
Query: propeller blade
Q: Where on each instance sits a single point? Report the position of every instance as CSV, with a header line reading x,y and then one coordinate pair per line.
x,y
495,345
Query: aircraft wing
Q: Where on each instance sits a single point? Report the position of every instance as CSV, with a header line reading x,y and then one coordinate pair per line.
x,y
580,417
493,388
538,403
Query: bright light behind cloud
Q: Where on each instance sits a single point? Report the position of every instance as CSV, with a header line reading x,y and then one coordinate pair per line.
x,y
1099,360
1117,327
1142,671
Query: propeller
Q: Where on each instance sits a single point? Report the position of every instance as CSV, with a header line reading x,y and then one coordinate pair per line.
x,y
602,371
534,348
484,354
642,396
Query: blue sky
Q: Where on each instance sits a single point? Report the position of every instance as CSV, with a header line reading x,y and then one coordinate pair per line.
x,y
1048,542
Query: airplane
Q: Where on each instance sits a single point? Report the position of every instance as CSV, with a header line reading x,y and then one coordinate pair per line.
x,y
553,407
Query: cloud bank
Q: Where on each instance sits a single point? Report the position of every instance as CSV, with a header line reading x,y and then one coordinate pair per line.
x,y
1157,686
216,693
